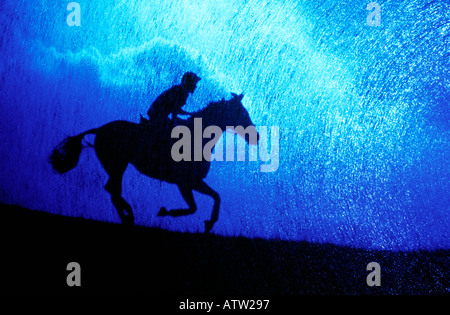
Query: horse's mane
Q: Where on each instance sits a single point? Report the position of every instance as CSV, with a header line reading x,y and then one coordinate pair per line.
x,y
211,105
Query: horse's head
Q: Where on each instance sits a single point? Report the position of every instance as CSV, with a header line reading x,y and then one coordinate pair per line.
x,y
238,120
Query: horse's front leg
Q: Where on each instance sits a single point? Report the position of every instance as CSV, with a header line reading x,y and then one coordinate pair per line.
x,y
203,188
186,192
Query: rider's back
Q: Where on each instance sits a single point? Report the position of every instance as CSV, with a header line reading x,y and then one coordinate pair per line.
x,y
168,102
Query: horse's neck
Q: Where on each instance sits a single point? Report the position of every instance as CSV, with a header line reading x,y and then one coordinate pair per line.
x,y
210,140
210,118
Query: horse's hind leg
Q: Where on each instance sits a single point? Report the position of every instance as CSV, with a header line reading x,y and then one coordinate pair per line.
x,y
114,187
113,146
186,192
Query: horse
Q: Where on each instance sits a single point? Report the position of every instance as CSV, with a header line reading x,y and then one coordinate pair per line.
x,y
149,149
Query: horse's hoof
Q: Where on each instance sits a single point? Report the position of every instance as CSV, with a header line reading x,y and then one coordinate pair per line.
x,y
208,226
163,212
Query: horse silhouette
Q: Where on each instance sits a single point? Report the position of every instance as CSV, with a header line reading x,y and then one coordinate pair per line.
x,y
148,148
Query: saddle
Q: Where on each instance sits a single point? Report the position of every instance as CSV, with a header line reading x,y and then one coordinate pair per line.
x,y
159,129
169,123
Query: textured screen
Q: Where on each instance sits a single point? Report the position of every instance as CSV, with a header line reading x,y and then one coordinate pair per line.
x,y
356,98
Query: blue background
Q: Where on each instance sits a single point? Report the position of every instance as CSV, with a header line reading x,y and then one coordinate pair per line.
x,y
363,111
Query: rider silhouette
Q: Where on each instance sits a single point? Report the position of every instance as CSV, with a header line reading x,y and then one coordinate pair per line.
x,y
171,101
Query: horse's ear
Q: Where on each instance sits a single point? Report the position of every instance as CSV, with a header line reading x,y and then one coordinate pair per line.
x,y
238,97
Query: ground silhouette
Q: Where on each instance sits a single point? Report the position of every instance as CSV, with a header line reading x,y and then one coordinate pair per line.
x,y
114,259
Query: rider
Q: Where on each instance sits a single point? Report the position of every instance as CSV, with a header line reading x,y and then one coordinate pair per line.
x,y
171,100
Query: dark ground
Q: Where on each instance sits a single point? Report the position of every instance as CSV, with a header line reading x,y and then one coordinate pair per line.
x,y
37,246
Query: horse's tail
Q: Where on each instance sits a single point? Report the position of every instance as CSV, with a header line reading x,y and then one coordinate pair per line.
x,y
66,154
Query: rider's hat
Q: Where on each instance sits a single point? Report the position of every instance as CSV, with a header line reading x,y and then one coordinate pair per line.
x,y
190,78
